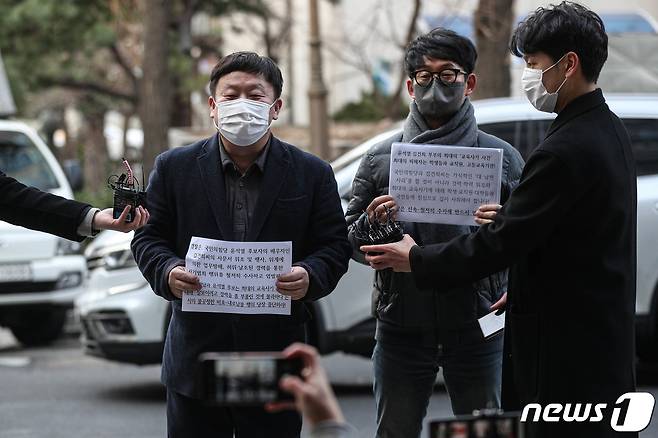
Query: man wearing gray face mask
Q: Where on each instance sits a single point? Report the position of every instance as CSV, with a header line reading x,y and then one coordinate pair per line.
x,y
419,330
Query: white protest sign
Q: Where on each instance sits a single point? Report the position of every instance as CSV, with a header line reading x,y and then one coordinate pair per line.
x,y
443,184
237,277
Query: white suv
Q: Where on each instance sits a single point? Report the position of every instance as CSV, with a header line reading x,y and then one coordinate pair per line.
x,y
40,274
124,320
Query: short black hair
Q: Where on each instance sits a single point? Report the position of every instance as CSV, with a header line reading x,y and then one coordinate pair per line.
x,y
248,62
440,43
557,30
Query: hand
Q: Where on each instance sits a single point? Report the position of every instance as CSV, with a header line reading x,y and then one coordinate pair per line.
x,y
313,395
486,213
377,210
500,304
293,284
104,220
393,255
180,280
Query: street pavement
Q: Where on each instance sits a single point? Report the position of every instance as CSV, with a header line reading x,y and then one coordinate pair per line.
x,y
58,392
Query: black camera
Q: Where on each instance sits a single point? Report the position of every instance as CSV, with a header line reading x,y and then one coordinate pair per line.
x,y
126,196
380,232
127,191
243,379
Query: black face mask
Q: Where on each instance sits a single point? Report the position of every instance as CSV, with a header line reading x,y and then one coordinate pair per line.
x,y
439,101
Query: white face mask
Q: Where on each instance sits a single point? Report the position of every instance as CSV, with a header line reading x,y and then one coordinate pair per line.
x,y
242,121
536,92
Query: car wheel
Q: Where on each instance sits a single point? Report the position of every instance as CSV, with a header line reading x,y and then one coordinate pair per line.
x,y
39,326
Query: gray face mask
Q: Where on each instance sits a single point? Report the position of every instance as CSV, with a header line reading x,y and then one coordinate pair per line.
x,y
439,101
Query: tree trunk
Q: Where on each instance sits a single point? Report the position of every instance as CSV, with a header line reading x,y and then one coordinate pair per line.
x,y
154,102
493,29
181,113
317,92
291,63
94,146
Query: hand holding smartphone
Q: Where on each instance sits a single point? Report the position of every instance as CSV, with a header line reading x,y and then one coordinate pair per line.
x,y
247,379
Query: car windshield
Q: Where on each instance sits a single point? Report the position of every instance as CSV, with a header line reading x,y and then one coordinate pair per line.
x,y
20,159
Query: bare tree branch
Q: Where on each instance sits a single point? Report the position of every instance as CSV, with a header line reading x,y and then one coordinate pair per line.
x,y
413,23
89,86
411,33
121,60
363,64
182,21
351,50
392,24
273,36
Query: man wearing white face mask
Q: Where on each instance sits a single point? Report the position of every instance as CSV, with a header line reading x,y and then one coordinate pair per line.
x,y
568,233
535,90
242,184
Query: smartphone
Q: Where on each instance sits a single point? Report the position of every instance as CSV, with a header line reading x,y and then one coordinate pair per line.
x,y
503,425
243,379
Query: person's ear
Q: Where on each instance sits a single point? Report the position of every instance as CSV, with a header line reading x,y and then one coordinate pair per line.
x,y
212,105
410,88
573,64
471,83
278,104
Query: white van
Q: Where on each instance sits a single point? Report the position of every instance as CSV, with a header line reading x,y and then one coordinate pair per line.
x,y
40,274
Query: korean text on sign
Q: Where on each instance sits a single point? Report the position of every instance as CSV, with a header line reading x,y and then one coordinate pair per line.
x,y
443,184
237,277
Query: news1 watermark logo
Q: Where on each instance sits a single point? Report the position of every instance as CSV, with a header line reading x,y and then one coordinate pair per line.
x,y
631,412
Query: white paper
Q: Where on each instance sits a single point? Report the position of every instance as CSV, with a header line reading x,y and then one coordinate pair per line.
x,y
491,323
237,277
443,184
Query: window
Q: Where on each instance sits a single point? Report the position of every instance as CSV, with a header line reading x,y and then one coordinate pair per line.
x,y
527,134
524,135
20,159
644,138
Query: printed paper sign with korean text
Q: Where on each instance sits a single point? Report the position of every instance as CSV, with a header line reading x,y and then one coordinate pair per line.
x,y
443,184
237,277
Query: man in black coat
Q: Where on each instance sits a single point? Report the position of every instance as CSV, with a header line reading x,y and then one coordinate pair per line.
x,y
32,208
241,185
568,232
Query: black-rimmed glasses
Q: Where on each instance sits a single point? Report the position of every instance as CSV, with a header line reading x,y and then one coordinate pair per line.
x,y
447,76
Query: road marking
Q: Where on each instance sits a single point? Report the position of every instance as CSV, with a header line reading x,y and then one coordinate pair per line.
x,y
15,362
18,433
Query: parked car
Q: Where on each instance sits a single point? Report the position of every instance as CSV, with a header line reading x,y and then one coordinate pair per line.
x,y
40,274
124,320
